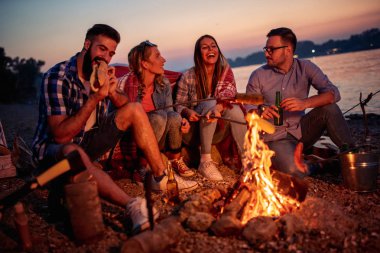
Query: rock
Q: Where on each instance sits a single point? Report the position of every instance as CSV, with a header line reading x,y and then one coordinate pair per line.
x,y
226,226
291,224
200,221
260,229
199,202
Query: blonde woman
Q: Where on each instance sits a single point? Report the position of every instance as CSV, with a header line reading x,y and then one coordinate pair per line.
x,y
146,84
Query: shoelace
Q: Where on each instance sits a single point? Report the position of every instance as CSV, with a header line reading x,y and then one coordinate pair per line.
x,y
181,165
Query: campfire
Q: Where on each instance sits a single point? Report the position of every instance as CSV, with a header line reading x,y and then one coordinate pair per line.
x,y
266,198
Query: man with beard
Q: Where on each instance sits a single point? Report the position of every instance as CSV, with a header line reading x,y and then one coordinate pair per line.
x,y
293,78
72,117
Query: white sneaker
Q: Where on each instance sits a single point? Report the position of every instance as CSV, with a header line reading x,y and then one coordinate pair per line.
x,y
210,171
138,212
183,185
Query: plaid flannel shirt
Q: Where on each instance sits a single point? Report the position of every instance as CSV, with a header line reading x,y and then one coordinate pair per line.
x,y
62,93
187,88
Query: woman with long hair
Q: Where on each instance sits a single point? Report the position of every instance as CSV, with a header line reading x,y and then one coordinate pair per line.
x,y
145,83
210,77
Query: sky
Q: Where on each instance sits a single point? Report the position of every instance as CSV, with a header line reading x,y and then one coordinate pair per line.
x,y
53,31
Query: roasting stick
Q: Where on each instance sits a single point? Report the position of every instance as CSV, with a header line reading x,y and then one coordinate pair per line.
x,y
252,99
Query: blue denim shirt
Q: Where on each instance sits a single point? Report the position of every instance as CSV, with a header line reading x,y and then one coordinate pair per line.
x,y
296,83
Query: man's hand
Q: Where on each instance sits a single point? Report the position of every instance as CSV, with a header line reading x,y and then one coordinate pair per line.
x,y
293,104
185,126
270,112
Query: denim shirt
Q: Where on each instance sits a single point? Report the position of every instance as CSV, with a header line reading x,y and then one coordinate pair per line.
x,y
162,93
295,83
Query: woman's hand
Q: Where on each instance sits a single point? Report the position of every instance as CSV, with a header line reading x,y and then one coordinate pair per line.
x,y
192,115
214,111
185,126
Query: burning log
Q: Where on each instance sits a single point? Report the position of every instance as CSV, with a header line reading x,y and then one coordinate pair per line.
x,y
229,223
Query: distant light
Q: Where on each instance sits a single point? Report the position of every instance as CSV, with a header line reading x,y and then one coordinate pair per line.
x,y
313,51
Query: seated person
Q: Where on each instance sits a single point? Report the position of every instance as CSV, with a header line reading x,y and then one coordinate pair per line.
x,y
73,117
293,78
146,84
211,77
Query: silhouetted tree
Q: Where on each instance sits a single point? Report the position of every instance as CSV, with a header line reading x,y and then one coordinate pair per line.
x,y
18,78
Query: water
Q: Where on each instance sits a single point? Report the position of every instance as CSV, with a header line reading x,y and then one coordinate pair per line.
x,y
352,73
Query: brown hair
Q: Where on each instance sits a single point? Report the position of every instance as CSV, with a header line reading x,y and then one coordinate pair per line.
x,y
200,68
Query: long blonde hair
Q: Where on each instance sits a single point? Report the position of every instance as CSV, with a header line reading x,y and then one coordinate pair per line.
x,y
200,69
137,54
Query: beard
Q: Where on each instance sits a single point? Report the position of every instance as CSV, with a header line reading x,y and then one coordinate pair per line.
x,y
87,65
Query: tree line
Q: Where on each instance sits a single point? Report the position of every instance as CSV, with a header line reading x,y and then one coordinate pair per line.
x,y
369,39
19,78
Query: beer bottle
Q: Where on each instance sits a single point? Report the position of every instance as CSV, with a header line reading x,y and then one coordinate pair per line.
x,y
278,121
22,226
172,186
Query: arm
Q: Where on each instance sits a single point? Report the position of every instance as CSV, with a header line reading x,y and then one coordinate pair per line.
x,y
296,104
327,92
184,93
64,128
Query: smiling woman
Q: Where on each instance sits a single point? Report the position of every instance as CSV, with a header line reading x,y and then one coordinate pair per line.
x,y
210,77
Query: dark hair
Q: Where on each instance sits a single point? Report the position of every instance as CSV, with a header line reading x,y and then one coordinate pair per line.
x,y
200,69
286,35
102,29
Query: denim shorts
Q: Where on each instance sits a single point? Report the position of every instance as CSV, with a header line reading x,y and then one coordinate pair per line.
x,y
95,142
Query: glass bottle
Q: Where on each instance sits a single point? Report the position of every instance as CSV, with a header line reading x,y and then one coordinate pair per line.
x,y
172,186
278,121
22,226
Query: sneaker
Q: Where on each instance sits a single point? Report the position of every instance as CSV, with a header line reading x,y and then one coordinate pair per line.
x,y
210,171
181,168
136,209
183,185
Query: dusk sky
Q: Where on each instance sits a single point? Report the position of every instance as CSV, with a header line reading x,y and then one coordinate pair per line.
x,y
53,31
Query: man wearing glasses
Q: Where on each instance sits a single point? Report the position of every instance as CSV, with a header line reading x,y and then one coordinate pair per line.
x,y
293,78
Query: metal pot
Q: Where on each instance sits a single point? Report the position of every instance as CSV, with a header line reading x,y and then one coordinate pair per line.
x,y
360,170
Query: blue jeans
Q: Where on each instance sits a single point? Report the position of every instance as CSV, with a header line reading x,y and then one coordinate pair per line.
x,y
208,133
313,124
167,128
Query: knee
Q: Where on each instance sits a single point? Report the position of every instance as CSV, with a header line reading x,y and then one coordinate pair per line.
x,y
174,118
331,109
234,113
158,120
131,111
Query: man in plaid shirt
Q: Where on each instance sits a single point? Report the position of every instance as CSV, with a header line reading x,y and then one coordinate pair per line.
x,y
72,117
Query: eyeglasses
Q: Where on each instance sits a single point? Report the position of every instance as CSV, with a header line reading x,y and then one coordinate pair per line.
x,y
270,50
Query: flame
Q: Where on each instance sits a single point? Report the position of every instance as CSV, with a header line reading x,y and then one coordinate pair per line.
x,y
265,198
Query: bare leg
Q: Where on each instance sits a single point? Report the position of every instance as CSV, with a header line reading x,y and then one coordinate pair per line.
x,y
107,188
133,115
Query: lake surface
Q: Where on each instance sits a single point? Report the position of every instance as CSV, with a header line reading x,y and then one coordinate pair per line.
x,y
352,73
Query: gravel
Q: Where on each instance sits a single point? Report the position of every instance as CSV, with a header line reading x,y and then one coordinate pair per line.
x,y
49,236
